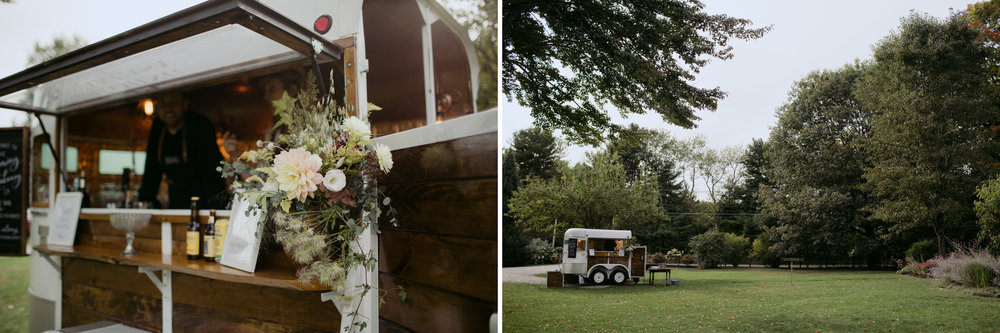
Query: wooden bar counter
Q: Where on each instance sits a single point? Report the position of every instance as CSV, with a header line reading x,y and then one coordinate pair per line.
x,y
100,284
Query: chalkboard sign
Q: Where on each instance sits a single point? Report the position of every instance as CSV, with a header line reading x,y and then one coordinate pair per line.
x,y
14,168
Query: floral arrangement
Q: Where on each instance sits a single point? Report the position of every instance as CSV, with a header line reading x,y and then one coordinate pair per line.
x,y
316,184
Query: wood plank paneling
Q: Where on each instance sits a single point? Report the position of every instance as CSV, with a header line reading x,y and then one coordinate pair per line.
x,y
444,250
466,208
453,263
429,309
464,158
98,290
264,303
124,307
73,316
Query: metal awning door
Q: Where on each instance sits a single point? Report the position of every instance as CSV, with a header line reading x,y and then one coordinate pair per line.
x,y
208,41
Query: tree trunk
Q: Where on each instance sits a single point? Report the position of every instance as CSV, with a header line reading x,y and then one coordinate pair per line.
x,y
939,232
940,240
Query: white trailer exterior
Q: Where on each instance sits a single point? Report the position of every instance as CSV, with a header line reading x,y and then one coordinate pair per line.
x,y
602,255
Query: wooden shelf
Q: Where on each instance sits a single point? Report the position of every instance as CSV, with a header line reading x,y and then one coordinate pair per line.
x,y
277,276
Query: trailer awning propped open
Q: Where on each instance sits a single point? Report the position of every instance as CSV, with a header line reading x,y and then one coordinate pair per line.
x,y
208,41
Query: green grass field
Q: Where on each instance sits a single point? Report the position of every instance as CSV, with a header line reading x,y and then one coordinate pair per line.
x,y
753,299
14,276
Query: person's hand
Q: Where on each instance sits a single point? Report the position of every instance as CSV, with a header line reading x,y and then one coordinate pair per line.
x,y
230,145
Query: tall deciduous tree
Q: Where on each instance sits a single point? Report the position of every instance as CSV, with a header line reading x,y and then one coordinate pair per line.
x,y
565,60
933,100
816,164
740,202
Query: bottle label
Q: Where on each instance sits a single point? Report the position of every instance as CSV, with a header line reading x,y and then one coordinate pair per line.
x,y
209,246
219,242
192,243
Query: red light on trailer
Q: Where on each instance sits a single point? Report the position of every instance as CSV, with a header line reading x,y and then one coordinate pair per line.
x,y
323,24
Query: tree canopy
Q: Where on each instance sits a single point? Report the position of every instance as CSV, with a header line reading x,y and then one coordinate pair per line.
x,y
930,88
566,60
596,195
815,204
536,152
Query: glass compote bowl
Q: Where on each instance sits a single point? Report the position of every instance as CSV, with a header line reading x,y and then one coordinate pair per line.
x,y
129,223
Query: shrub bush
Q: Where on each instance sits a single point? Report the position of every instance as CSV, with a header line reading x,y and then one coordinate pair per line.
x,y
658,258
711,248
979,275
923,250
687,259
967,266
543,253
737,249
918,269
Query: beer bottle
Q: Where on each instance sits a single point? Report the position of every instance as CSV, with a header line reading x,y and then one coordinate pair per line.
x,y
208,239
194,233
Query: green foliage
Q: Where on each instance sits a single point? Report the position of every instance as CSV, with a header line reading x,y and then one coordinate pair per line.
x,y
984,17
535,152
687,259
739,202
760,251
815,163
636,55
987,208
710,248
14,296
737,249
979,275
922,250
587,196
515,246
933,101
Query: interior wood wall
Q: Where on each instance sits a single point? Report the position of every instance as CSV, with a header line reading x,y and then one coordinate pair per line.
x,y
95,291
443,253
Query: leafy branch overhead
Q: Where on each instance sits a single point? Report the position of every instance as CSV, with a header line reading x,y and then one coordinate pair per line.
x,y
566,60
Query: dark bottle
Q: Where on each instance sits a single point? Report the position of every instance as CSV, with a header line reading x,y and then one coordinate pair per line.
x,y
194,232
208,239
81,186
126,177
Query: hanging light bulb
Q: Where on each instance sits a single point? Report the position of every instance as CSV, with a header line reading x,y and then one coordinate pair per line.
x,y
147,107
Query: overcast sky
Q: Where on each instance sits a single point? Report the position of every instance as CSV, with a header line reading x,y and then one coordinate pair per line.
x,y
807,36
24,22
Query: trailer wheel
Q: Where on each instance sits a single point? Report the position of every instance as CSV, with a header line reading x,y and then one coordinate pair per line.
x,y
619,276
598,277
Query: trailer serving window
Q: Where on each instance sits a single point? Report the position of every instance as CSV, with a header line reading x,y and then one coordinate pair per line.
x,y
209,41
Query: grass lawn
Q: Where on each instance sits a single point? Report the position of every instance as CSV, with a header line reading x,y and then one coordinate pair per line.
x,y
753,299
14,274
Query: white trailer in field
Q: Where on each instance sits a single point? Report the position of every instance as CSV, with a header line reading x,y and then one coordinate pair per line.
x,y
602,256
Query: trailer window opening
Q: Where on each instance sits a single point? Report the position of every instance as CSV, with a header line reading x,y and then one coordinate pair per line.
x,y
69,160
111,162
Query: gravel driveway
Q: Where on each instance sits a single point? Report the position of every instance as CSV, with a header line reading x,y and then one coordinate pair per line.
x,y
527,274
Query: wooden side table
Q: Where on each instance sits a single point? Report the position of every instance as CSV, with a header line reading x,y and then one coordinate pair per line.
x,y
653,271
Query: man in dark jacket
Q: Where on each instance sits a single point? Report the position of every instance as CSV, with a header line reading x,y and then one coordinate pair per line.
x,y
182,155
